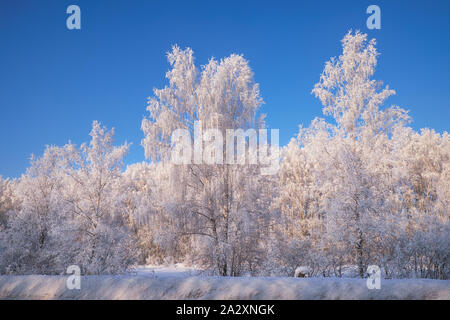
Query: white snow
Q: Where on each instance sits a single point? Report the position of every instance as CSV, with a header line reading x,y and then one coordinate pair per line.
x,y
304,270
176,270
177,283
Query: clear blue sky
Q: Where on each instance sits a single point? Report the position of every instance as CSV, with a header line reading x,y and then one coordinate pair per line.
x,y
54,82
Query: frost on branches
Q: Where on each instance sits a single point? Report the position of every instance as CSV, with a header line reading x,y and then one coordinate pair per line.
x,y
355,188
68,210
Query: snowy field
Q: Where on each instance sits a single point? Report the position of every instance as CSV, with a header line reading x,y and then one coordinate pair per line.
x,y
178,282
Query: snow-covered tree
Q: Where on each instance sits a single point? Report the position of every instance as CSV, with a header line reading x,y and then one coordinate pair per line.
x,y
93,192
7,187
71,211
34,229
354,191
212,198
353,99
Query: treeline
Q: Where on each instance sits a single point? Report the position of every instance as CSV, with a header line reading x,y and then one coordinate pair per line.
x,y
356,188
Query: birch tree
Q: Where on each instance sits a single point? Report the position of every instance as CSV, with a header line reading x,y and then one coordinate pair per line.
x,y
222,96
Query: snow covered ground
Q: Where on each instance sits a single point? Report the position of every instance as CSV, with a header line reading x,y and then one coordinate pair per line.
x,y
180,282
176,270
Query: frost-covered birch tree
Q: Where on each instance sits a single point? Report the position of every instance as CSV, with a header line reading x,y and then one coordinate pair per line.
x,y
212,198
348,187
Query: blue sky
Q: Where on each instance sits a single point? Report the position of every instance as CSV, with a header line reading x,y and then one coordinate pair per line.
x,y
54,82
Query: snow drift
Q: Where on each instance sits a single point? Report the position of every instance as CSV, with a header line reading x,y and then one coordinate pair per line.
x,y
207,287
